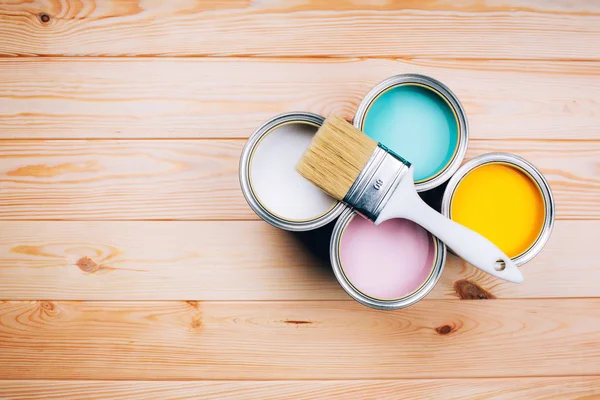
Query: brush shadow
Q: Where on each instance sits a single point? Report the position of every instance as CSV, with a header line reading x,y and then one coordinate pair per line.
x,y
434,196
316,243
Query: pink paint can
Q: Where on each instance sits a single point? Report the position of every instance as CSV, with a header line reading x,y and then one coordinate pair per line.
x,y
389,266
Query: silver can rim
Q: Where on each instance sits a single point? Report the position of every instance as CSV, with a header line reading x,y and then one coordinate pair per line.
x,y
448,95
245,183
381,304
532,172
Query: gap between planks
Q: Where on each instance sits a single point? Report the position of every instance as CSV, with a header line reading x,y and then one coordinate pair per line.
x,y
332,58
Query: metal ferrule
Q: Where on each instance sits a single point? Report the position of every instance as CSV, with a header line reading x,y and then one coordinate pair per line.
x,y
376,182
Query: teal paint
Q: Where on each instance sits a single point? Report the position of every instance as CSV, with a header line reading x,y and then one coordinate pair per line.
x,y
418,124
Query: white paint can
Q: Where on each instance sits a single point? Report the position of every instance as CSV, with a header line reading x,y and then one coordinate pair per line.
x,y
269,180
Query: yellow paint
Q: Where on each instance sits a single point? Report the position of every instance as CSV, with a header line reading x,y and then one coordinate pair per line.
x,y
503,204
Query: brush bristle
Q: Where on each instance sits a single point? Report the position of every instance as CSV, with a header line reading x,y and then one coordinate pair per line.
x,y
336,156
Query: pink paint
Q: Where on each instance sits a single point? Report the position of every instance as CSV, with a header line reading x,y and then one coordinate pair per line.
x,y
388,261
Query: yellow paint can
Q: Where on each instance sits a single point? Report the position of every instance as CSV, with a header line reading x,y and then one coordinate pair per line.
x,y
504,198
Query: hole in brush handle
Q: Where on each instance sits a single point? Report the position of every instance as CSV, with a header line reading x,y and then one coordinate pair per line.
x,y
500,265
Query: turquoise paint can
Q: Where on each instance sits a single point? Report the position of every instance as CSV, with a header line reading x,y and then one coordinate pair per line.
x,y
421,119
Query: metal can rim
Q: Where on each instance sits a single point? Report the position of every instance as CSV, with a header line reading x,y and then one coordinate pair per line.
x,y
245,182
452,100
380,304
532,172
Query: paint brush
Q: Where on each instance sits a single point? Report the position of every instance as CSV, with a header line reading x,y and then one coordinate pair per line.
x,y
379,184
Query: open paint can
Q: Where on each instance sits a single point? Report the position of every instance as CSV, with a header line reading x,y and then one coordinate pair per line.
x,y
420,119
504,198
389,266
269,181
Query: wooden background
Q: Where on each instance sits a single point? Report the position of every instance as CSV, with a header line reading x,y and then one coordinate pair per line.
x,y
132,268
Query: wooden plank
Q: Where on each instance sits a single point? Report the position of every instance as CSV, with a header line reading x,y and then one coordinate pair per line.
x,y
206,97
298,340
247,260
556,388
512,29
159,261
121,180
198,179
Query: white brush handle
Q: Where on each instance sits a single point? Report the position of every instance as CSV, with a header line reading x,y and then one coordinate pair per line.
x,y
468,244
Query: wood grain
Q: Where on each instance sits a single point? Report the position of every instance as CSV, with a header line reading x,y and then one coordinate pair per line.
x,y
198,180
247,260
215,97
132,268
298,340
526,29
121,180
555,388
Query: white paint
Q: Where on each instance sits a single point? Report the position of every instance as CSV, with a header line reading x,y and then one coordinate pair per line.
x,y
275,182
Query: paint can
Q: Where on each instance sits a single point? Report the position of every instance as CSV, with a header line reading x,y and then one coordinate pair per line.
x,y
428,125
388,285
516,193
269,181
